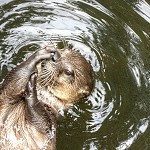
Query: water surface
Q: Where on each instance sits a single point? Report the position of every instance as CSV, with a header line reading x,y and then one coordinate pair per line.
x,y
115,37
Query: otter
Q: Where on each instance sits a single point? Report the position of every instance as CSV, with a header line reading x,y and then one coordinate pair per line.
x,y
33,92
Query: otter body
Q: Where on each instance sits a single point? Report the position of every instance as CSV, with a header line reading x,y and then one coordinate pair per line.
x,y
33,92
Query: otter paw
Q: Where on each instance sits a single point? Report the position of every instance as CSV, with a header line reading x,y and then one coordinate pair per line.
x,y
45,53
31,85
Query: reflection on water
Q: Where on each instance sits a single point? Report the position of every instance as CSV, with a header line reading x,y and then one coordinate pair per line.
x,y
91,144
142,127
114,36
143,9
99,109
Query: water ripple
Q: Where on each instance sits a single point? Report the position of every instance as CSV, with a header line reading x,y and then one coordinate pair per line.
x,y
114,37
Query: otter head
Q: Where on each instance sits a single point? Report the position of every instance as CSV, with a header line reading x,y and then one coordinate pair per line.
x,y
67,76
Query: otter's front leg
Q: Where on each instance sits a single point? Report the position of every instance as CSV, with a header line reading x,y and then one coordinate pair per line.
x,y
36,114
15,82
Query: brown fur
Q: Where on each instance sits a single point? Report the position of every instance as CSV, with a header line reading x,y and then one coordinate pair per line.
x,y
23,123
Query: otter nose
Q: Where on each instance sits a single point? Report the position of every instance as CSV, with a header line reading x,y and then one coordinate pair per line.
x,y
55,56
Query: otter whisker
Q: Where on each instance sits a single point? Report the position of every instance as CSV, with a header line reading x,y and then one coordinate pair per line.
x,y
47,77
65,45
44,74
52,78
45,71
44,81
53,83
41,76
48,81
41,80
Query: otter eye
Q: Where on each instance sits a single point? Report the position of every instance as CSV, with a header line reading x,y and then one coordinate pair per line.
x,y
69,72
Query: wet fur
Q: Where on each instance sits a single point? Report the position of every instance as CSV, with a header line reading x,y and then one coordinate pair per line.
x,y
28,110
20,129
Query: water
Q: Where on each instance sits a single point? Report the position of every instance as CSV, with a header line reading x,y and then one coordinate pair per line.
x,y
115,37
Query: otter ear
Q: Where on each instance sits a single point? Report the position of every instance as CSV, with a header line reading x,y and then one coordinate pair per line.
x,y
84,92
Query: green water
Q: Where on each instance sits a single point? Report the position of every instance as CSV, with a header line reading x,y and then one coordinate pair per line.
x,y
115,37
